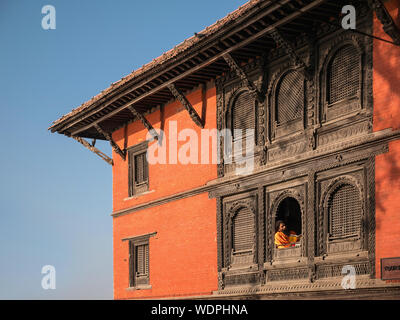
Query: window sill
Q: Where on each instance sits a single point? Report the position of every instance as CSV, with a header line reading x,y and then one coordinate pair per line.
x,y
141,287
342,256
138,195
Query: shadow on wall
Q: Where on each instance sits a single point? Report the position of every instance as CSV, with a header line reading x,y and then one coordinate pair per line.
x,y
387,181
386,114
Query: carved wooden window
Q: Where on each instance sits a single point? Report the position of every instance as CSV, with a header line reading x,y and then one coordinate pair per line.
x,y
290,213
138,169
344,75
139,263
345,212
290,98
243,117
243,235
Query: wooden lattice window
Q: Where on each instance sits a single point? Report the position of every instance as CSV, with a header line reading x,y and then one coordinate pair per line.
x,y
138,169
243,114
243,231
290,97
141,172
344,75
139,261
345,212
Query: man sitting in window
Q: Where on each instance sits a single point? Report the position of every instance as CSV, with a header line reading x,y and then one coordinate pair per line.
x,y
282,238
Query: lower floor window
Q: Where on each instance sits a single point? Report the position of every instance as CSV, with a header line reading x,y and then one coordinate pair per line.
x,y
288,224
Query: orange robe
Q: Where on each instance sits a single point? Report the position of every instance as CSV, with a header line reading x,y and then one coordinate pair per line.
x,y
282,240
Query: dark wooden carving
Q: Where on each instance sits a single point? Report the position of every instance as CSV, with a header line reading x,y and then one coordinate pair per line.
x,y
182,99
333,145
295,59
242,75
108,137
386,19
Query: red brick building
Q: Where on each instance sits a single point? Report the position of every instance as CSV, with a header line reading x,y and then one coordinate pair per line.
x,y
324,105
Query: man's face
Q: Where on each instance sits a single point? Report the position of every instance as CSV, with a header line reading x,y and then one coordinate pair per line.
x,y
282,227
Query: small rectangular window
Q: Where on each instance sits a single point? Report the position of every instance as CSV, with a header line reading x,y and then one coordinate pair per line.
x,y
139,261
140,264
138,169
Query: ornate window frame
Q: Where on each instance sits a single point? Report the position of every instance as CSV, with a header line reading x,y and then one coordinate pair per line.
x,y
351,105
228,118
288,253
341,246
282,130
231,209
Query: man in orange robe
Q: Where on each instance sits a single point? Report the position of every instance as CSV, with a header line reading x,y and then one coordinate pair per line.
x,y
281,239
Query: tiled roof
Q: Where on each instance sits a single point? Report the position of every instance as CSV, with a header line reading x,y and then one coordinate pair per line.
x,y
165,57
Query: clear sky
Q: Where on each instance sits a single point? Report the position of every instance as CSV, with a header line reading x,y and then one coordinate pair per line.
x,y
55,195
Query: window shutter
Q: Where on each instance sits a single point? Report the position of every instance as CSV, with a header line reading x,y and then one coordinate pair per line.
x,y
290,98
140,162
243,112
142,254
345,212
243,230
344,74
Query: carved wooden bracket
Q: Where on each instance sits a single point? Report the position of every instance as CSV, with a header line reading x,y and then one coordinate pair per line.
x,y
242,75
295,59
115,147
93,149
386,19
182,99
146,123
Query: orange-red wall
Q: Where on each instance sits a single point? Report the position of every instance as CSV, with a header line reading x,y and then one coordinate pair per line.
x,y
166,179
183,254
386,88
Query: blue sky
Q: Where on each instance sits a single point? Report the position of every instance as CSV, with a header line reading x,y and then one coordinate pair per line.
x,y
56,196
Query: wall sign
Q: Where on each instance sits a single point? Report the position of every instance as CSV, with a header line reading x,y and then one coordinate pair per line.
x,y
390,268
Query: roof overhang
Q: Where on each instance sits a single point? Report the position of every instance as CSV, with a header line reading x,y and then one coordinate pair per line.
x,y
243,34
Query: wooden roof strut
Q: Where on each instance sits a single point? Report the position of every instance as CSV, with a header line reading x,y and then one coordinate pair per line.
x,y
289,49
146,123
386,19
242,75
92,148
115,147
182,99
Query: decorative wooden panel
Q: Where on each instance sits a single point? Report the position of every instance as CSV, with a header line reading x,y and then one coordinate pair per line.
x,y
344,74
243,230
290,97
345,212
243,112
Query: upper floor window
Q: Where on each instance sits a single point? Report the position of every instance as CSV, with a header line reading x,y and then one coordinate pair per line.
x,y
290,98
343,75
242,120
138,169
